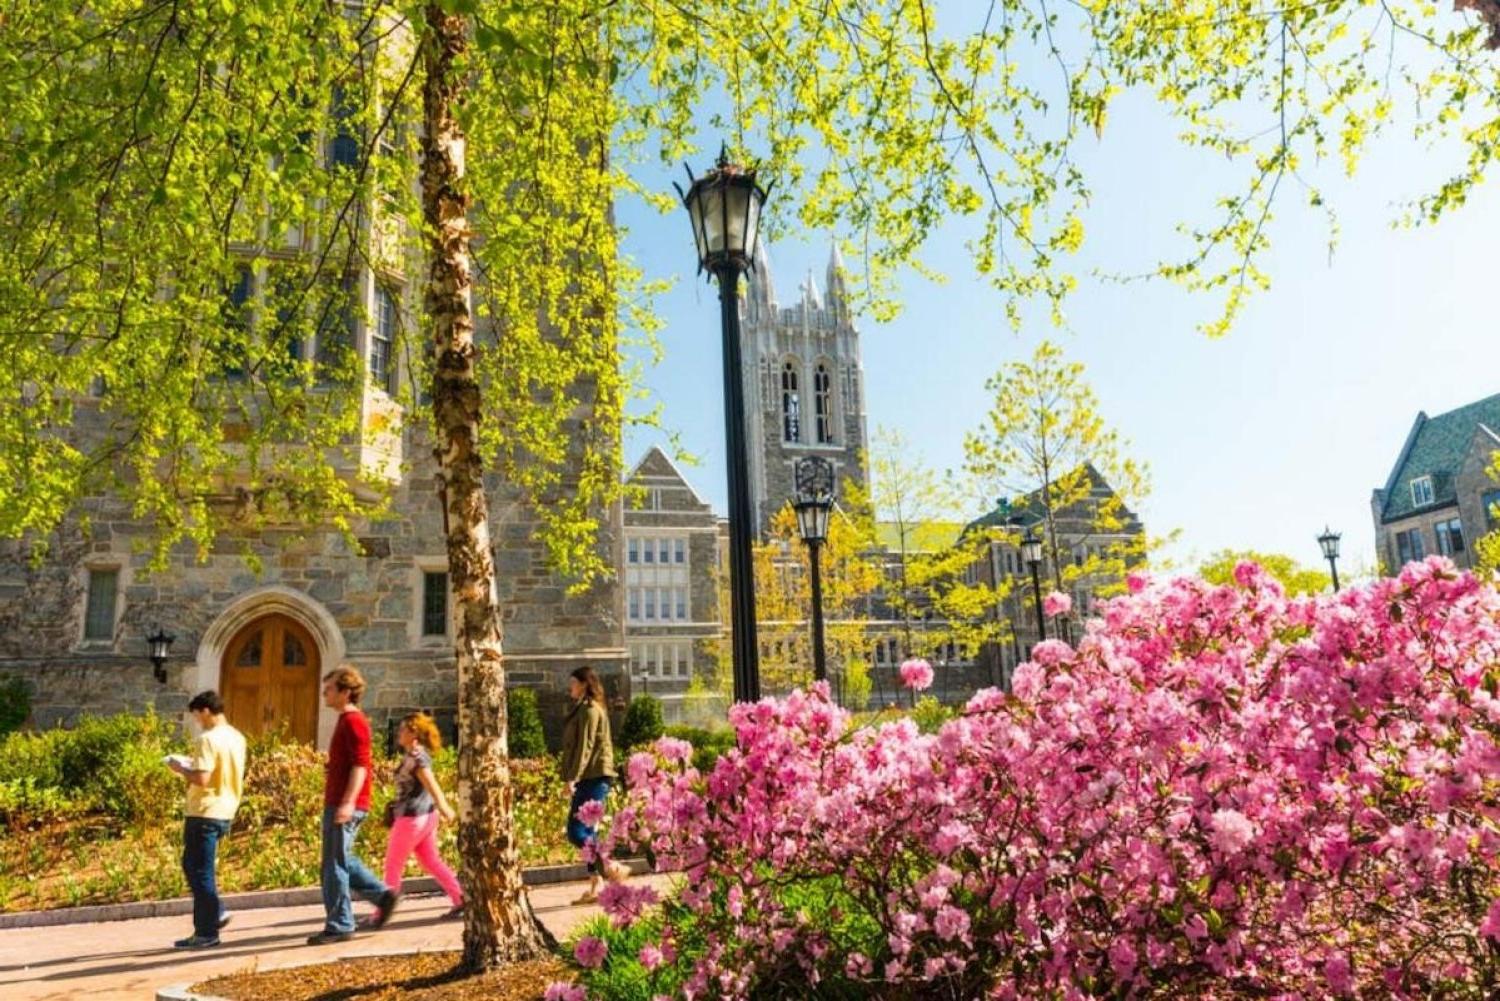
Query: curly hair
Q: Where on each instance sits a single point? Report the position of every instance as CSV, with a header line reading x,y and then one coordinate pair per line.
x,y
424,729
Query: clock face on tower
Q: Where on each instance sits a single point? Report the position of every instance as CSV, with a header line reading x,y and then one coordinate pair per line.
x,y
814,477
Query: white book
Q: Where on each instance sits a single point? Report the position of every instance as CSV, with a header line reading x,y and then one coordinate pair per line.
x,y
181,760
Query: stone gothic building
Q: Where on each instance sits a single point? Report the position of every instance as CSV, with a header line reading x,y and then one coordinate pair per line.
x,y
804,387
1439,497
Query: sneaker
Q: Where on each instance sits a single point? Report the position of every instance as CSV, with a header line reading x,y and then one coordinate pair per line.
x,y
326,937
454,913
224,920
384,908
196,942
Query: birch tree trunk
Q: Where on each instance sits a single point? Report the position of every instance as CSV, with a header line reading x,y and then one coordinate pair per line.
x,y
499,924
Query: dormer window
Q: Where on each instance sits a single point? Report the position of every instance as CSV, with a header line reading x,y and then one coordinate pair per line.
x,y
1421,491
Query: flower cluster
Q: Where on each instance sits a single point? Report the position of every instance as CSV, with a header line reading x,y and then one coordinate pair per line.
x,y
1221,792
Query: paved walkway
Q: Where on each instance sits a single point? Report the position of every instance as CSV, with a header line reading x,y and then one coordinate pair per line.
x,y
116,960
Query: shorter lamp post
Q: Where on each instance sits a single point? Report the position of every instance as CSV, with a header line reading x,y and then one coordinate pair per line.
x,y
813,502
1329,540
157,645
1031,554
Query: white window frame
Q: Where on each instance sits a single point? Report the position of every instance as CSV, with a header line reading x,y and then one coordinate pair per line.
x,y
1420,486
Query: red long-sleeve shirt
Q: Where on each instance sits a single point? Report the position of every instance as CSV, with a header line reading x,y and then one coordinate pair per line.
x,y
350,747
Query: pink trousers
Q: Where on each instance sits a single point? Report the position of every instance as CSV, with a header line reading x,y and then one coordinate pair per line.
x,y
419,834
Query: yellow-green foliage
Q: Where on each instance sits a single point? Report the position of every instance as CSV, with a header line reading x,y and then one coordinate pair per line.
x,y
1294,577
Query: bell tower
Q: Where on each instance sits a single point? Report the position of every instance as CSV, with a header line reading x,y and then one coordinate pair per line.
x,y
804,384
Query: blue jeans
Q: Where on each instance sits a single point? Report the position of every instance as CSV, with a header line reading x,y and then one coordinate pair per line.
x,y
200,853
343,871
585,790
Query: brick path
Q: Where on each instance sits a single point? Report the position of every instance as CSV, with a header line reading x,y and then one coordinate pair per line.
x,y
116,960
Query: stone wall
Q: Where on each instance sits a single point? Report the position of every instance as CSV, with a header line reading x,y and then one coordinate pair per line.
x,y
365,592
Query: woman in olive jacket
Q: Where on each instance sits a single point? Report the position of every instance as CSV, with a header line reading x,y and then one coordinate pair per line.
x,y
588,767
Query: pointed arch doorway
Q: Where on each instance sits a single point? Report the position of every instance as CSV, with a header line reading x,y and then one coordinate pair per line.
x,y
269,678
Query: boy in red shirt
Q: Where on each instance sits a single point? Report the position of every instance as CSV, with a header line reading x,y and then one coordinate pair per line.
x,y
346,800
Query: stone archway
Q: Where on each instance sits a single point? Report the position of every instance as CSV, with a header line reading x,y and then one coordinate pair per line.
x,y
275,599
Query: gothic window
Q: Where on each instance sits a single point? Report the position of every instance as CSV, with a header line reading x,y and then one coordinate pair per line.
x,y
823,403
791,416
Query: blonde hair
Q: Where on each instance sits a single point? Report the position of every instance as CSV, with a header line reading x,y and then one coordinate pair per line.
x,y
346,679
424,729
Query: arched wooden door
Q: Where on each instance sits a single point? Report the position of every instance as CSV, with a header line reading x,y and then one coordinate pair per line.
x,y
269,679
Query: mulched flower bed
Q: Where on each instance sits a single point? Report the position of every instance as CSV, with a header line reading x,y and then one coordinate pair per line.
x,y
422,976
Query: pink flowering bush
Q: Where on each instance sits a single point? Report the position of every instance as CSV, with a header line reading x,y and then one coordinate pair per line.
x,y
1221,793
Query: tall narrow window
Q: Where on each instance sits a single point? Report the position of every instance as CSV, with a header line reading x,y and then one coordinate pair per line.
x,y
635,604
99,618
343,145
679,551
633,547
650,602
682,604
236,313
434,603
823,403
791,415
382,336
648,551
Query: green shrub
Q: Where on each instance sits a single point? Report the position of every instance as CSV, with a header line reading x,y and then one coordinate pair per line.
x,y
15,704
707,744
642,722
523,723
929,714
22,801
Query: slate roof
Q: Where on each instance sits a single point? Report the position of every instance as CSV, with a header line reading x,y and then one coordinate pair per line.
x,y
1027,510
1435,447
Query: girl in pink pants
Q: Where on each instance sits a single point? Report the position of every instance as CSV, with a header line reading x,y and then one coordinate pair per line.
x,y
415,811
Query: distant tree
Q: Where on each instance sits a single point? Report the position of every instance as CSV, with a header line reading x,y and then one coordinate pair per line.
x,y
1293,577
851,575
1043,439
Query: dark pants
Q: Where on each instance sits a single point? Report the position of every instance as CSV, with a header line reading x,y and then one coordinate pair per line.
x,y
343,871
200,853
585,790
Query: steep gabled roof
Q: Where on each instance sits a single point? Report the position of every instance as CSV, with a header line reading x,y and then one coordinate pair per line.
x,y
658,465
1435,447
1027,511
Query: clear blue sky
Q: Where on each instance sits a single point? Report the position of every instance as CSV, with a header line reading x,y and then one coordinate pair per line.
x,y
1253,441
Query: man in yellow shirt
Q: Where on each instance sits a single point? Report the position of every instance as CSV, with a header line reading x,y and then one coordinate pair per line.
x,y
215,775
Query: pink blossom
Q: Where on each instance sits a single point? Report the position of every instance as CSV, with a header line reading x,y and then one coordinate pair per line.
x,y
1056,604
916,674
650,956
590,952
589,814
559,990
1232,831
1490,926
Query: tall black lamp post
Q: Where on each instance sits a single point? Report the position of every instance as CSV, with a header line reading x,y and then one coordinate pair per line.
x,y
1031,554
1329,540
725,206
813,502
157,645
